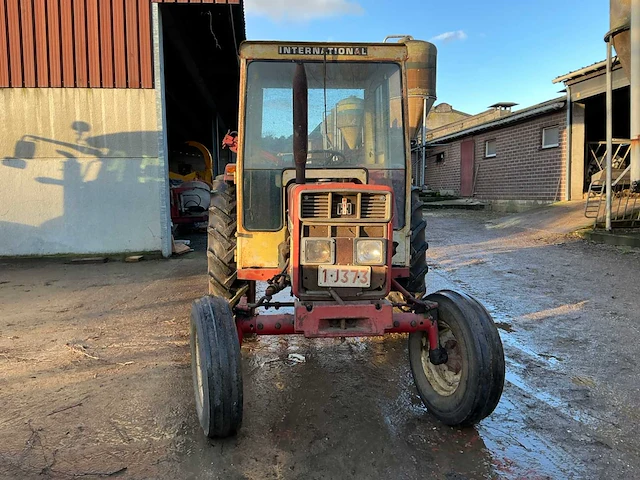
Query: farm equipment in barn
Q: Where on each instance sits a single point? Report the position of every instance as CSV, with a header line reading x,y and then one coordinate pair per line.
x,y
190,193
320,201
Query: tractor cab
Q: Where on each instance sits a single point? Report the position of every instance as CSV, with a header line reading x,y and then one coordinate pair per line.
x,y
352,109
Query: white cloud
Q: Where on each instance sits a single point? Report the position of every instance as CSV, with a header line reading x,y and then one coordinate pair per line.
x,y
447,37
298,10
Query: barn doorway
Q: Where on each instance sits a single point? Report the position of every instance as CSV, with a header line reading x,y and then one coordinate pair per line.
x,y
199,68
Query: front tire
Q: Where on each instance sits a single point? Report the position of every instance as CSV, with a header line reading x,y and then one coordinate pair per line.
x,y
467,388
216,367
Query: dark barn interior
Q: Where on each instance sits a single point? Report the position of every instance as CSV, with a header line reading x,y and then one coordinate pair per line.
x,y
201,73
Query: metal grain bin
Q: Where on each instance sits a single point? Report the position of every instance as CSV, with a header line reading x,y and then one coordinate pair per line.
x,y
620,16
421,80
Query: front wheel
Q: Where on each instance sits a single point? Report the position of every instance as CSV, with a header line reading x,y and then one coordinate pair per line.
x,y
216,367
467,388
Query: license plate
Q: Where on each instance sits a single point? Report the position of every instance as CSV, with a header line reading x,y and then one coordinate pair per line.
x,y
344,276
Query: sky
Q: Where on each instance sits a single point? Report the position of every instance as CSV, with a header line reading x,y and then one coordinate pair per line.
x,y
488,51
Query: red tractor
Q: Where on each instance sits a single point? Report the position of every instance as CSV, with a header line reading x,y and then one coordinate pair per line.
x,y
320,201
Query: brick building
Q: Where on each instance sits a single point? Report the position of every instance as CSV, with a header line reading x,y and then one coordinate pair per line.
x,y
501,155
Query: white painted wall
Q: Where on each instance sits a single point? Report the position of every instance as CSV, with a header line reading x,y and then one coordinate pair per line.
x,y
80,172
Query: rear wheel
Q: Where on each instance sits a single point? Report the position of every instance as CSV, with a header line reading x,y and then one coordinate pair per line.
x,y
216,367
221,248
415,284
466,388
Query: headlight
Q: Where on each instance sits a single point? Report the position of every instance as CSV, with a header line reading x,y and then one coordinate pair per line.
x,y
317,251
370,252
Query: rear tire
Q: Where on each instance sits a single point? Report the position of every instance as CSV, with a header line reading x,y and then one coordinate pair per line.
x,y
221,243
216,367
467,388
416,284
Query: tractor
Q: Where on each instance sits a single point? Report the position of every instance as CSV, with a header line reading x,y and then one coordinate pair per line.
x,y
320,201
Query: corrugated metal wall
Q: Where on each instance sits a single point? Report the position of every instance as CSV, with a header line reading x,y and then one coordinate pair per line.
x,y
78,43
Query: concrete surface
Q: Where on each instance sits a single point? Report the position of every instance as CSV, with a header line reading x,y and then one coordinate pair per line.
x,y
81,172
559,217
95,374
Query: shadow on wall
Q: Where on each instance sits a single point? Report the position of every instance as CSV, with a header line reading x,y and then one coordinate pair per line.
x,y
110,197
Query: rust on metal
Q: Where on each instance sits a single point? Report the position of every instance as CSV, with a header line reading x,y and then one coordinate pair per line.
x,y
330,321
259,274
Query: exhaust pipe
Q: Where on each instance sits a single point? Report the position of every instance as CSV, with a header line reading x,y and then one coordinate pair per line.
x,y
300,121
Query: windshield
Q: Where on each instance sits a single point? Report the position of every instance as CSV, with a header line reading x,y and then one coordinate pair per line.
x,y
355,120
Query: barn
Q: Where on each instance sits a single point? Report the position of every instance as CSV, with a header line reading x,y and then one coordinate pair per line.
x,y
99,101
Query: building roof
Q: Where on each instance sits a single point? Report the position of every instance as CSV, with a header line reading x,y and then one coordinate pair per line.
x,y
523,114
594,67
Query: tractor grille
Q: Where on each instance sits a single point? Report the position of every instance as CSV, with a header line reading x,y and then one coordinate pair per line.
x,y
363,206
315,205
373,205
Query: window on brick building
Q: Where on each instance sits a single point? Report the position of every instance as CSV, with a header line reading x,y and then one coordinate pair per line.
x,y
490,148
551,137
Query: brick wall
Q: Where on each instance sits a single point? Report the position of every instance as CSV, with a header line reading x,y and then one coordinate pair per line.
x,y
521,169
444,174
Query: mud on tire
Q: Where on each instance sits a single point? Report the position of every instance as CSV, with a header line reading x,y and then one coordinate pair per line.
x,y
216,367
221,243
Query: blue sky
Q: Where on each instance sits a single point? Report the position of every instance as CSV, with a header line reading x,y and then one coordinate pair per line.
x,y
488,51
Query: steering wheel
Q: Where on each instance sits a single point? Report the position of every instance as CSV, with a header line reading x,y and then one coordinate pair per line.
x,y
334,157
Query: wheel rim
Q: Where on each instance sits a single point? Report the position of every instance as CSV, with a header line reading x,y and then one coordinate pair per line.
x,y
444,378
199,384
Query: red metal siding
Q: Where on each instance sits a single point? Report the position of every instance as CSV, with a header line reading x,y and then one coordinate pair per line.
x,y
119,50
106,44
93,43
28,44
66,29
146,47
78,43
55,58
4,47
133,52
15,45
42,62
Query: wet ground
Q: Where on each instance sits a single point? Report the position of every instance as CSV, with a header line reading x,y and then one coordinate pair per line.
x,y
95,377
